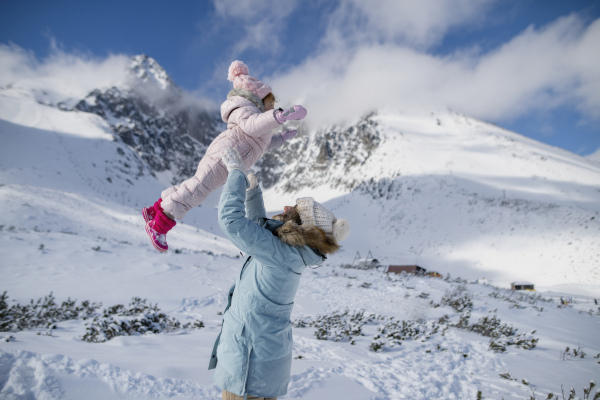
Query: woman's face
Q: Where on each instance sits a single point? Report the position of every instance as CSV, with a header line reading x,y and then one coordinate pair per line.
x,y
269,102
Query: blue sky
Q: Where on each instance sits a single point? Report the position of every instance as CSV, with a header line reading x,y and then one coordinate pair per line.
x,y
532,66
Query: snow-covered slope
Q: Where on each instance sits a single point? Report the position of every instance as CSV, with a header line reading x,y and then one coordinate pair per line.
x,y
447,192
594,157
450,193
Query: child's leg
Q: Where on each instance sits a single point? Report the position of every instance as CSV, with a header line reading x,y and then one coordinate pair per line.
x,y
163,223
178,200
158,226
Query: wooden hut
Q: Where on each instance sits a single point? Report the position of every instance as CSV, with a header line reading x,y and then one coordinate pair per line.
x,y
522,286
409,269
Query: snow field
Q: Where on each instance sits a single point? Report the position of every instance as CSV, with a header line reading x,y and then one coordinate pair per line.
x,y
449,193
453,366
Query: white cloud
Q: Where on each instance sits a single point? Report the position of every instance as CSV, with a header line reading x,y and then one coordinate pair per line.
x,y
250,10
261,20
61,73
417,23
66,77
539,69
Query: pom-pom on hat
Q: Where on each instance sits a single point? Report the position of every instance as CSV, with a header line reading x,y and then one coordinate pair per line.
x,y
240,76
314,213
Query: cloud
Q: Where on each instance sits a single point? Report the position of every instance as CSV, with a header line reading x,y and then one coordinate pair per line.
x,y
70,76
420,23
61,74
540,69
260,20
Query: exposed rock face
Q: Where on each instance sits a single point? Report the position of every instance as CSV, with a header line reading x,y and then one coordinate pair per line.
x,y
153,116
332,156
170,132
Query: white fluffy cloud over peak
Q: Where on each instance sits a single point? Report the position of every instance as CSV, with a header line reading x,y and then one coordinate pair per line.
x,y
262,21
61,73
417,23
252,9
539,69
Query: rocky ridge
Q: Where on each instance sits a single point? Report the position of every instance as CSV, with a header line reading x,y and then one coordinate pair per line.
x,y
152,115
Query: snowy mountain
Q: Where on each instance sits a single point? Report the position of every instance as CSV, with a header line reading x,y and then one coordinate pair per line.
x,y
438,189
594,157
153,116
450,193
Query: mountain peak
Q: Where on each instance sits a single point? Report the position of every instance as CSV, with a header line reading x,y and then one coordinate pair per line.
x,y
147,70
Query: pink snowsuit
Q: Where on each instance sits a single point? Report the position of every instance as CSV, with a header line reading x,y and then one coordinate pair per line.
x,y
248,130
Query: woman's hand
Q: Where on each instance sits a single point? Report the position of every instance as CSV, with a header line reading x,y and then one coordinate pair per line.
x,y
252,178
232,160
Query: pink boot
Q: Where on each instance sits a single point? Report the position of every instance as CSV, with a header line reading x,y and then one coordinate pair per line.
x,y
158,226
148,213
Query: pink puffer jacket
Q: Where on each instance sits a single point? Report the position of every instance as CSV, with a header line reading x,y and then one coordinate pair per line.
x,y
248,130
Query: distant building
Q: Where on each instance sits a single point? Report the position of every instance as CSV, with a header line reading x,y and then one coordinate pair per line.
x,y
409,269
365,263
522,286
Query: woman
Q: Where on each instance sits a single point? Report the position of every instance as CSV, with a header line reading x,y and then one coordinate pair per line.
x,y
253,353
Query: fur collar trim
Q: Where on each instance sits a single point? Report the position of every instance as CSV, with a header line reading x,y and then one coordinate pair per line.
x,y
307,235
245,93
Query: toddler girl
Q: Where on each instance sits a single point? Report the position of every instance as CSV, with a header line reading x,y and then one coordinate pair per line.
x,y
250,116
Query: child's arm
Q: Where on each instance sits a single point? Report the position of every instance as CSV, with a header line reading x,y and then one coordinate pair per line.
x,y
280,137
253,123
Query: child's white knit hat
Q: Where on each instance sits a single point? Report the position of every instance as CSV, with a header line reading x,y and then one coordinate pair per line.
x,y
314,213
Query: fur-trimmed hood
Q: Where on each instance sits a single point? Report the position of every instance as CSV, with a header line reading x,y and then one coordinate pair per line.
x,y
248,95
238,98
307,235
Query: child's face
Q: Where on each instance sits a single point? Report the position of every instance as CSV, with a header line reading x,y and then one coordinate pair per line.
x,y
269,102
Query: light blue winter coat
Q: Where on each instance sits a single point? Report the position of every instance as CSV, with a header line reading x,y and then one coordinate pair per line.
x,y
253,353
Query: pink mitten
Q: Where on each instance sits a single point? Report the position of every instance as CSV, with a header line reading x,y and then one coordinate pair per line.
x,y
287,135
292,113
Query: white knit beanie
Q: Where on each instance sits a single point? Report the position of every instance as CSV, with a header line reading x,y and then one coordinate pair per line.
x,y
314,213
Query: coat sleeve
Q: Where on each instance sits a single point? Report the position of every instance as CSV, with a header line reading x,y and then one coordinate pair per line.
x,y
245,234
253,123
276,141
255,206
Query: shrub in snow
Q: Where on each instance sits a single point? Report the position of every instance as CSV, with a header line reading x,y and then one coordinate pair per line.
x,y
42,313
346,325
139,318
338,326
570,354
394,333
118,320
460,299
492,327
7,338
508,376
502,335
587,392
520,300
